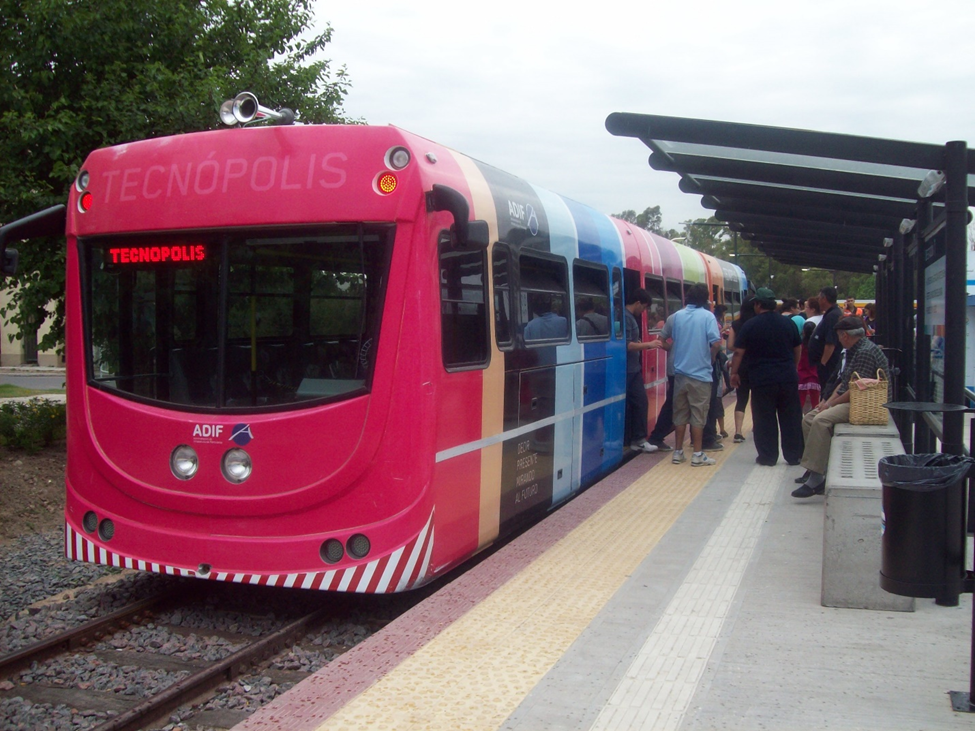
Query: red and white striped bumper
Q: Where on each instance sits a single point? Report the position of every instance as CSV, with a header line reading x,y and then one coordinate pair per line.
x,y
399,570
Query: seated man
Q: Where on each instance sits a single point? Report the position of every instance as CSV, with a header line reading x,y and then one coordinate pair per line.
x,y
864,358
547,323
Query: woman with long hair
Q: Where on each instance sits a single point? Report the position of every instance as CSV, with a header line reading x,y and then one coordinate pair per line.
x,y
808,377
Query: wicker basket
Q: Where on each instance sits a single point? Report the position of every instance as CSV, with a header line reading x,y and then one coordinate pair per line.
x,y
867,399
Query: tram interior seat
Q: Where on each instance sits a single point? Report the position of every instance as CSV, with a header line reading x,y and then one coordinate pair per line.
x,y
282,367
192,375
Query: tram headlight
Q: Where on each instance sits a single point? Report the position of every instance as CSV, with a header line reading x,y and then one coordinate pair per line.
x,y
332,551
398,158
237,466
358,546
183,462
89,522
106,529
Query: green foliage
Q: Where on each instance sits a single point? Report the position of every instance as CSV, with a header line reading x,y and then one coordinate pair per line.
x,y
651,219
8,390
786,280
31,425
77,76
714,237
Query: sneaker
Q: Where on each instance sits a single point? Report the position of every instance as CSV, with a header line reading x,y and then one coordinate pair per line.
x,y
806,491
678,456
723,435
643,447
700,459
739,438
661,445
802,480
716,447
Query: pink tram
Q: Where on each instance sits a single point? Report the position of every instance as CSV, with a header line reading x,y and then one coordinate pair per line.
x,y
305,356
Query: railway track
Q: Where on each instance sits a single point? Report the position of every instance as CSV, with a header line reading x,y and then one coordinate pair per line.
x,y
109,679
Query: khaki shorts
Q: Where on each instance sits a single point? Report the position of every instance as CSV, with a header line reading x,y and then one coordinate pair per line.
x,y
692,399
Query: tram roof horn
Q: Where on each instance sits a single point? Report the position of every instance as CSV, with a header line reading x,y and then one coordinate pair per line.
x,y
244,109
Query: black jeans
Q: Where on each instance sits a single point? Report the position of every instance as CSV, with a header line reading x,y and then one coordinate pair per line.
x,y
636,408
665,421
776,410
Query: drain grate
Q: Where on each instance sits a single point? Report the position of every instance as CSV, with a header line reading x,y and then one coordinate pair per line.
x,y
858,458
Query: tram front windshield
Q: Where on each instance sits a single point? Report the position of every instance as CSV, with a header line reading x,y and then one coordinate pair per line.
x,y
241,320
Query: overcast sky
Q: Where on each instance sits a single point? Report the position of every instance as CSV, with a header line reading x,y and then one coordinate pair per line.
x,y
526,86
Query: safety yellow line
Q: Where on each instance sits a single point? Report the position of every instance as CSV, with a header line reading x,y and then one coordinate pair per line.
x,y
477,671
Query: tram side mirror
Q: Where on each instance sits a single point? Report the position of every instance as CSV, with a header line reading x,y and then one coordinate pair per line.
x,y
49,222
464,234
8,264
477,234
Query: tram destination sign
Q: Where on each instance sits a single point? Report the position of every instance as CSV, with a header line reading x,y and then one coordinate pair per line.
x,y
156,254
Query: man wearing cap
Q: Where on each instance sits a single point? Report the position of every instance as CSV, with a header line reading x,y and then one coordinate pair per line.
x,y
864,358
773,345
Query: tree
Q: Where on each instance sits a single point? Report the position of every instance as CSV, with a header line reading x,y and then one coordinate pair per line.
x,y
76,76
651,219
716,238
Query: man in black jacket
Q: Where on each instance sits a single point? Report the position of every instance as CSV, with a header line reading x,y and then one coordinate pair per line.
x,y
773,345
824,347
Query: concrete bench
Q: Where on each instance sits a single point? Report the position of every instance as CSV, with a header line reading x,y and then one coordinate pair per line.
x,y
852,519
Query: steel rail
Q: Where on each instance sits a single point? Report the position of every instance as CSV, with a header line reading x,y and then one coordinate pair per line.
x,y
74,638
198,683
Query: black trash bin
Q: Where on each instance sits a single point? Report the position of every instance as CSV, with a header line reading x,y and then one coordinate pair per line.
x,y
923,545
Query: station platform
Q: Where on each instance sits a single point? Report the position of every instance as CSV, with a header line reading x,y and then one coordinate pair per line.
x,y
665,597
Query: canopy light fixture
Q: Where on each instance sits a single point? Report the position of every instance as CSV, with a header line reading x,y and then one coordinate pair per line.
x,y
932,183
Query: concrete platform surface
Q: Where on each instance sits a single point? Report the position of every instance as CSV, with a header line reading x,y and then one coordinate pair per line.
x,y
666,597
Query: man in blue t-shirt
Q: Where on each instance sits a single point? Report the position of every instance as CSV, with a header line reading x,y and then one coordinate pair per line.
x,y
696,343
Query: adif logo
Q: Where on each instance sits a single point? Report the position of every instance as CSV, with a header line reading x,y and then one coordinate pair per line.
x,y
532,221
241,434
208,431
524,216
516,211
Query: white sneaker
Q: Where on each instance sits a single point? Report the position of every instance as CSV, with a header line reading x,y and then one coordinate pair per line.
x,y
678,456
700,459
644,446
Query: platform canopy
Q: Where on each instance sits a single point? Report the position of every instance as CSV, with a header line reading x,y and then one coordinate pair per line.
x,y
812,199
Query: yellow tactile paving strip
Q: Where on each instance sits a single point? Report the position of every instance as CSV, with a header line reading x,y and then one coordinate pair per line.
x,y
477,671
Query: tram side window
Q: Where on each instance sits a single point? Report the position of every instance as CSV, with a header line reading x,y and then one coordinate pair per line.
x,y
674,299
656,314
544,301
617,303
502,295
463,308
591,287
